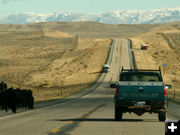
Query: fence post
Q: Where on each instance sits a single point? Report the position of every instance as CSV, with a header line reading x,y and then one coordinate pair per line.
x,y
174,94
61,91
80,85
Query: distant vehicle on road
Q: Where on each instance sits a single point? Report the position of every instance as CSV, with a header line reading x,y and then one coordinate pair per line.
x,y
105,68
140,91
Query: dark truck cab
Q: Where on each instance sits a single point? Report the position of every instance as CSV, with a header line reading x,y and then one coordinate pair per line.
x,y
140,91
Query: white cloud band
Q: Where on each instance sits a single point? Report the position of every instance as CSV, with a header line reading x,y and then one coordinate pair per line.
x,y
7,1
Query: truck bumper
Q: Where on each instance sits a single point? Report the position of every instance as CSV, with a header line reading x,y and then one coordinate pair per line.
x,y
149,106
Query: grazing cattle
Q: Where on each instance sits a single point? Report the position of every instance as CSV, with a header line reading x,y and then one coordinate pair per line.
x,y
16,98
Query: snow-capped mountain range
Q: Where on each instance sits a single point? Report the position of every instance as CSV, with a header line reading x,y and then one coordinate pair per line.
x,y
114,17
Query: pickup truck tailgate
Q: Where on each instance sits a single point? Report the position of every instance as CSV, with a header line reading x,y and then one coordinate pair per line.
x,y
141,91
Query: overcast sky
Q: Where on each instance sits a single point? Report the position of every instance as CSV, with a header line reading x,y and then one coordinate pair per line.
x,y
82,6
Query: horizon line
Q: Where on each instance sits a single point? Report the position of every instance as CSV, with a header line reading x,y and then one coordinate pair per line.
x,y
139,10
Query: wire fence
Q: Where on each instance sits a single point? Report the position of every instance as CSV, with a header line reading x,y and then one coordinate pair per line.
x,y
174,95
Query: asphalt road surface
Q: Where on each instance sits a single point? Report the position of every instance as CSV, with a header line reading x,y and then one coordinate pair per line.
x,y
90,112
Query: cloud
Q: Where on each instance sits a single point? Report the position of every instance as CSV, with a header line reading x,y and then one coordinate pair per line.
x,y
7,1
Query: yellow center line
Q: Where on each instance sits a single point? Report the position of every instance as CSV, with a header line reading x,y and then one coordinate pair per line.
x,y
55,130
70,122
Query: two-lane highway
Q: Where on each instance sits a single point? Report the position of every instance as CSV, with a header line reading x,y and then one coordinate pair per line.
x,y
90,112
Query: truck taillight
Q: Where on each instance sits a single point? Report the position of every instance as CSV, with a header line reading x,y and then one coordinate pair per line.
x,y
117,90
165,92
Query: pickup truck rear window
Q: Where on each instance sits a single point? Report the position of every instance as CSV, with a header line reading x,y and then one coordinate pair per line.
x,y
142,77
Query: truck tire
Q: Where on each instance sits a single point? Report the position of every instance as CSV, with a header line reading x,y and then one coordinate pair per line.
x,y
118,114
162,116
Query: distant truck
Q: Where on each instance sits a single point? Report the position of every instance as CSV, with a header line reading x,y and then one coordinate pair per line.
x,y
140,91
144,47
105,68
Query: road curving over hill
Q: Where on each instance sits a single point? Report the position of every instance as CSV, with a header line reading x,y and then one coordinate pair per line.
x,y
90,112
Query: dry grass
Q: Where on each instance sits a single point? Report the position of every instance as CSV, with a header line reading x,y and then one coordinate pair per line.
x,y
87,29
51,63
42,57
163,46
75,70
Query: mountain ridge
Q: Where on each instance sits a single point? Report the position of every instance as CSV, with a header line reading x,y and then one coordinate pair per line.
x,y
113,17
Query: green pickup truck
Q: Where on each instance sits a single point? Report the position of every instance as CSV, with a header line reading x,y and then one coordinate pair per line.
x,y
140,91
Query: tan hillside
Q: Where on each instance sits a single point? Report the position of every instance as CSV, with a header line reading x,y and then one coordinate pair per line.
x,y
55,34
48,61
47,58
163,47
86,29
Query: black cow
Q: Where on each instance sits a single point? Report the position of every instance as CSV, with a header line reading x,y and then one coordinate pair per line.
x,y
3,86
3,100
8,100
25,98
